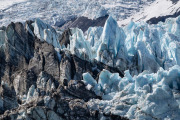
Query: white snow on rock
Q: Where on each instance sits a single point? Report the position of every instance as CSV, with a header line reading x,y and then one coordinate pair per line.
x,y
155,9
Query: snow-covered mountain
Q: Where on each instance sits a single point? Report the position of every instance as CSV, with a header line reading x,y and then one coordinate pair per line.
x,y
56,12
157,9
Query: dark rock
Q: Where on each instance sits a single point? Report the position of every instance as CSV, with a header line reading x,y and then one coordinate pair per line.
x,y
174,1
23,81
64,40
16,52
45,59
78,89
8,96
155,20
66,68
17,43
46,83
84,23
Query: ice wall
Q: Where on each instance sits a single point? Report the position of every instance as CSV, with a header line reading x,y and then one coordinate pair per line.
x,y
146,96
138,46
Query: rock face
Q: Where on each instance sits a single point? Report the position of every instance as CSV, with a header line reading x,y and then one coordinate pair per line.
x,y
40,81
17,51
84,23
8,97
65,40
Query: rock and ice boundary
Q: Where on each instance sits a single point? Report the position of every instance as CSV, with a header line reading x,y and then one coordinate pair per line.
x,y
108,72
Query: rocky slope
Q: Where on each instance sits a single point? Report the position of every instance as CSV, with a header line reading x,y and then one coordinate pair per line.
x,y
157,11
84,23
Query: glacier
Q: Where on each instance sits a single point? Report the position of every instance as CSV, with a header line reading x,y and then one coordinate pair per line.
x,y
57,12
151,83
79,46
148,55
146,96
46,33
138,46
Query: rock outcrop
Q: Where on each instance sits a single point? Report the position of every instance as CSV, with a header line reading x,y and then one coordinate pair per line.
x,y
84,23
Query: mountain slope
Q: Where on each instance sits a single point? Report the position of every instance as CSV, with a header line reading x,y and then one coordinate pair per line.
x,y
157,11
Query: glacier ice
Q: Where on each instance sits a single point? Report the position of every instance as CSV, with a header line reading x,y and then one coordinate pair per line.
x,y
79,45
50,103
138,46
93,37
112,45
95,10
56,12
112,36
149,55
146,96
46,33
151,84
32,94
91,83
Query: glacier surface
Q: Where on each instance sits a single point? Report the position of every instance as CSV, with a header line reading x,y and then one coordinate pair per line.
x,y
57,12
146,96
138,46
149,55
46,33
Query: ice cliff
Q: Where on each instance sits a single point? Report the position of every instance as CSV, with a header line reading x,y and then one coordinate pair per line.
x,y
137,46
146,96
108,72
150,55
